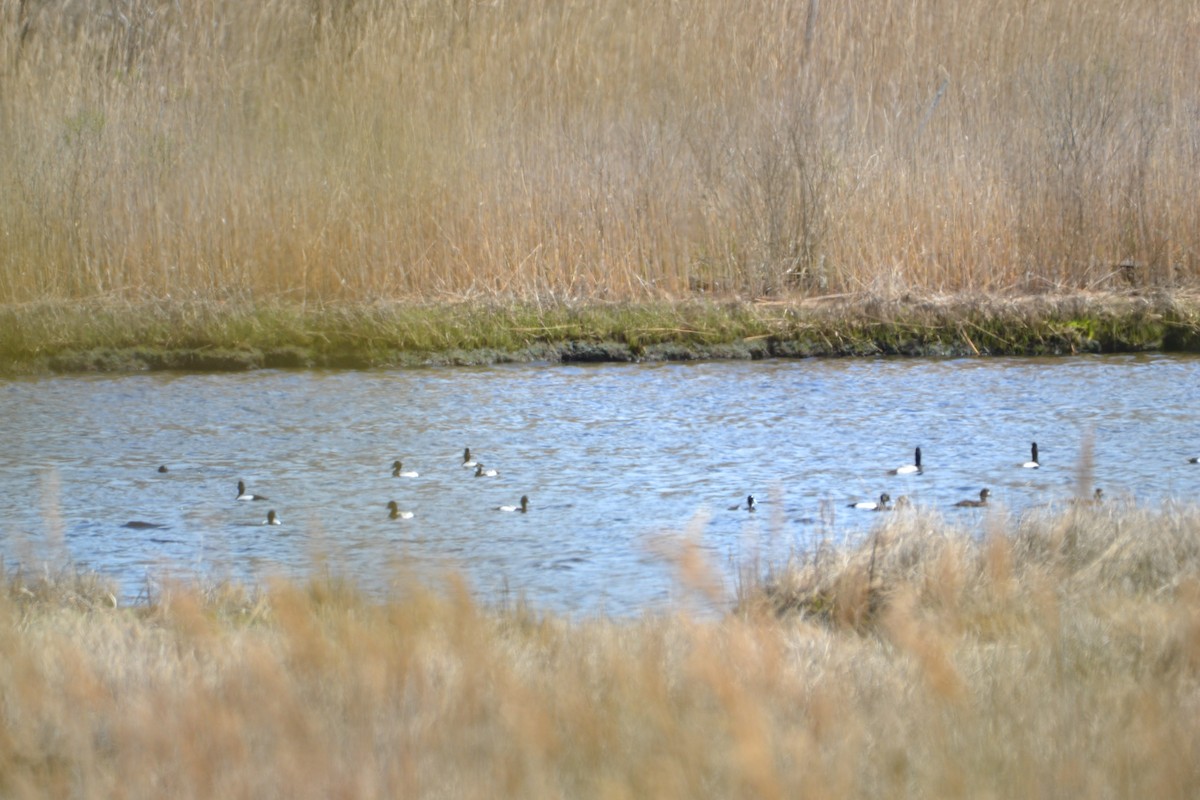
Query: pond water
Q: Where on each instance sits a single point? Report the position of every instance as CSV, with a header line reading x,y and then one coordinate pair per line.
x,y
617,461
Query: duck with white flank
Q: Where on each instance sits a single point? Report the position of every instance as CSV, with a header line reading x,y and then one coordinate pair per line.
x,y
467,460
523,508
398,471
394,511
272,519
1032,463
749,506
909,469
871,505
480,472
244,495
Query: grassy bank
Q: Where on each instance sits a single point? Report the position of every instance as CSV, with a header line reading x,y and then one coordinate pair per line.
x,y
1057,655
103,335
440,150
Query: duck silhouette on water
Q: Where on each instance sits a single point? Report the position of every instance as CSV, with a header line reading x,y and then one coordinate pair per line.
x,y
984,494
909,469
750,505
244,495
523,508
871,505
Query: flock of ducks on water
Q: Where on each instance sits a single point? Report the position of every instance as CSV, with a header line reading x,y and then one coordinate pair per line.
x,y
884,503
393,508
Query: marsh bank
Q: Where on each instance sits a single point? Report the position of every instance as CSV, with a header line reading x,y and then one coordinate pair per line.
x,y
213,336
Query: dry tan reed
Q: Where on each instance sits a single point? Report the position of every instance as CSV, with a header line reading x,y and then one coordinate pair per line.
x,y
1057,655
453,149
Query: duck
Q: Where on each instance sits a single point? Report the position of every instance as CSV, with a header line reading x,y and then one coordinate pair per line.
x,y
395,513
1032,463
163,468
871,505
398,471
750,505
480,472
467,460
272,519
140,525
984,494
1195,460
909,469
244,495
523,508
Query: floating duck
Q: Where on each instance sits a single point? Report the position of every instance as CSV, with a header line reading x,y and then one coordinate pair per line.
x,y
244,495
398,471
1032,463
395,513
524,507
871,505
909,469
984,494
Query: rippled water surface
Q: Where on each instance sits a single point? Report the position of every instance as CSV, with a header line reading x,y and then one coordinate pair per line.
x,y
616,461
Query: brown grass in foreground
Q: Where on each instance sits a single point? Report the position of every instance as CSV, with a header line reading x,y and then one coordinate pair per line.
x,y
564,149
1056,656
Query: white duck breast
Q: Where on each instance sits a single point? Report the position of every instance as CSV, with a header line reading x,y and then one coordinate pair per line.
x,y
1032,463
872,505
395,513
910,469
524,507
244,495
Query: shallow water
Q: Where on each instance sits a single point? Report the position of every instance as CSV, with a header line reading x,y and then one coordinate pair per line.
x,y
618,461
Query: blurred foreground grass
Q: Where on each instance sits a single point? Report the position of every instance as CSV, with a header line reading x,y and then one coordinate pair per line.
x,y
1052,655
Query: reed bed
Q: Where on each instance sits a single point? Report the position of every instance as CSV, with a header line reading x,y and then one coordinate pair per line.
x,y
451,150
1055,654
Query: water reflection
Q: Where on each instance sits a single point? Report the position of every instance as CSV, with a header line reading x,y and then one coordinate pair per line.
x,y
611,458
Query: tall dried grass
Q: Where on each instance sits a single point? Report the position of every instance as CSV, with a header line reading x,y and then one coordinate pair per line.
x,y
315,151
1057,655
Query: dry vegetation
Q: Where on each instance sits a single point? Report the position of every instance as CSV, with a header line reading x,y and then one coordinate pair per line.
x,y
1058,655
316,151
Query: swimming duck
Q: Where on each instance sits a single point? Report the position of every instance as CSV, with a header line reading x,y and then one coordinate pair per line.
x,y
163,468
750,505
1195,460
524,507
1032,463
909,469
467,460
398,471
395,513
244,495
480,472
139,525
272,519
984,494
871,505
